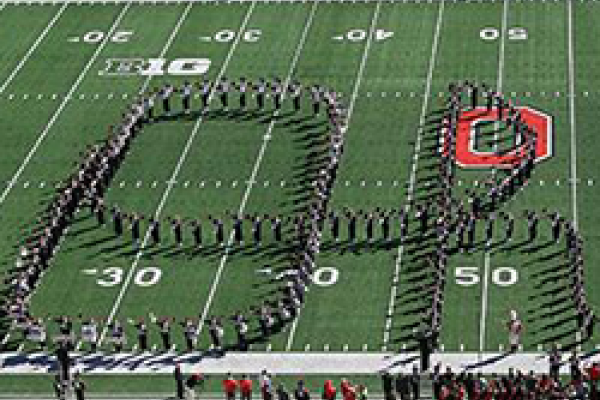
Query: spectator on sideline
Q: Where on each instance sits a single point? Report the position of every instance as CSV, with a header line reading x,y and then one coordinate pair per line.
x,y
387,382
301,392
79,387
282,393
245,388
191,383
329,391
230,387
178,375
266,385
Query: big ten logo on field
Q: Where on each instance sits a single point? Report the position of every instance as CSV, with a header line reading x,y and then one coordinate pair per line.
x,y
468,156
155,66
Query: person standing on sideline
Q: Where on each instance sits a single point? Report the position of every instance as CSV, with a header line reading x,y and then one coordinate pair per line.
x,y
415,383
245,388
178,375
79,387
230,387
329,391
387,382
301,392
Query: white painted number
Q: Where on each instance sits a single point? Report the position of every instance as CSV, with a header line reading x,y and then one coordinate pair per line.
x,y
224,36
325,276
93,37
227,35
114,273
467,276
252,35
489,34
515,33
505,276
145,277
148,276
117,37
381,34
357,35
121,36
501,276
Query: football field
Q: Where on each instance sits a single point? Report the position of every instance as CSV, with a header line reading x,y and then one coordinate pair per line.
x,y
69,71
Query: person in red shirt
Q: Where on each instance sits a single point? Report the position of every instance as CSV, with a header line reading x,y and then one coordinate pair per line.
x,y
245,388
329,391
348,391
230,387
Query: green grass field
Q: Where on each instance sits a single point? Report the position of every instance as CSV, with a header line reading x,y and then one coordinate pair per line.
x,y
54,102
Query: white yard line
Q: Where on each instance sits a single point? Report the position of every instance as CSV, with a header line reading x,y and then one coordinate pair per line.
x,y
62,105
353,97
413,172
487,260
572,114
252,179
167,45
171,181
33,47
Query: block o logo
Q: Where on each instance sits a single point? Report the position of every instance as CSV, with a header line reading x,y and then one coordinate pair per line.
x,y
468,157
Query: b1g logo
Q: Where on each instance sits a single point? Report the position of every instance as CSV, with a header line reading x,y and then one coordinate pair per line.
x,y
155,66
468,156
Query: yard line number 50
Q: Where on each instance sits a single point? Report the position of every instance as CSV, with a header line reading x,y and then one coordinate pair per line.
x,y
501,276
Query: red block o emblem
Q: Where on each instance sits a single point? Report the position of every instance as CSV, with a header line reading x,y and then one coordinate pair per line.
x,y
468,157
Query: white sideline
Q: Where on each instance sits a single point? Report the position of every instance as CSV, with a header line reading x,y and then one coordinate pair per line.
x,y
487,256
572,114
62,105
413,174
32,48
252,179
361,69
279,363
171,183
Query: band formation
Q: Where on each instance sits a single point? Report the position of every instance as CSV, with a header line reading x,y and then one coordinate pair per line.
x,y
449,218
